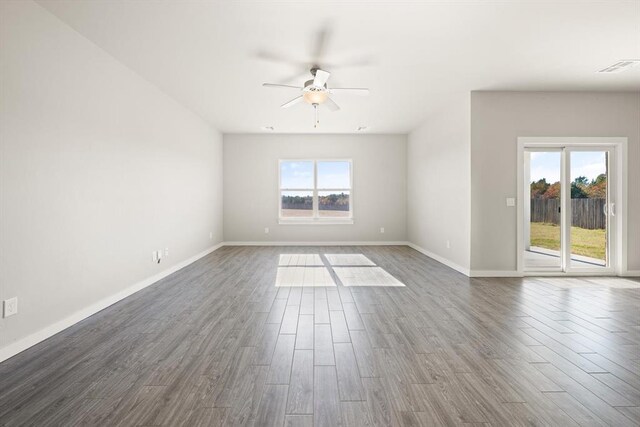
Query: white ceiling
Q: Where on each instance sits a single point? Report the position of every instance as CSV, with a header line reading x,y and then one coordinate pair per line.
x,y
413,55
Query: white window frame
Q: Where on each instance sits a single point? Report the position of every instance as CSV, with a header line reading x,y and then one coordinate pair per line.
x,y
315,218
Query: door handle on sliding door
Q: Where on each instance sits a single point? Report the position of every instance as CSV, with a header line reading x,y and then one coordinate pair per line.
x,y
609,209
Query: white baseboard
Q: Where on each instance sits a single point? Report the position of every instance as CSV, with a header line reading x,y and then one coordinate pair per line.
x,y
41,335
440,259
631,273
316,243
508,273
495,273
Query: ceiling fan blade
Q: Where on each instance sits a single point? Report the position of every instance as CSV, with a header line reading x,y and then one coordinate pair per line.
x,y
354,90
321,78
294,101
279,58
364,61
320,43
330,103
279,85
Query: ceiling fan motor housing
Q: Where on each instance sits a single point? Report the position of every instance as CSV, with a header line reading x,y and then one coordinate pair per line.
x,y
308,86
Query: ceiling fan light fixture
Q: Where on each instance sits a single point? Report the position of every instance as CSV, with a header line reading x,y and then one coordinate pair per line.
x,y
315,97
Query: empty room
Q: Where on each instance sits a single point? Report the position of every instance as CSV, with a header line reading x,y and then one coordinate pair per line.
x,y
319,213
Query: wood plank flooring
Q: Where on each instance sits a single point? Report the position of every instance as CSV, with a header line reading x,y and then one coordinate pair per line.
x,y
217,343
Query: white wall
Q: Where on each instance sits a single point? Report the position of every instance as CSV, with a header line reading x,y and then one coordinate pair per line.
x,y
438,185
251,186
97,169
498,119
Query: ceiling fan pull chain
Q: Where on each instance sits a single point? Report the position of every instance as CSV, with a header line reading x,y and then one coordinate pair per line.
x,y
315,108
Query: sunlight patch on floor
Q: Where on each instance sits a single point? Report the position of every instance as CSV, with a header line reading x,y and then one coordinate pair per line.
x,y
366,276
309,270
300,260
348,260
306,277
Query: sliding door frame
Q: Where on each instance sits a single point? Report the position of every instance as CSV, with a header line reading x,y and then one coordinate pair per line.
x,y
618,195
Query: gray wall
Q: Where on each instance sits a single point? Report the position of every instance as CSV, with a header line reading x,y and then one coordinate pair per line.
x,y
498,119
438,184
97,169
251,186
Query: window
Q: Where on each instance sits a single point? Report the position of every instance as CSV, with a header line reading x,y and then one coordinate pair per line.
x,y
315,191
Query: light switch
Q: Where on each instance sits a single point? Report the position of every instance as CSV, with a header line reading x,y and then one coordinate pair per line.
x,y
10,307
511,201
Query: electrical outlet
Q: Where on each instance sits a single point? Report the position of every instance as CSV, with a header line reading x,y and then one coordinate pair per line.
x,y
448,244
166,251
159,255
211,235
10,307
154,256
511,201
266,230
381,230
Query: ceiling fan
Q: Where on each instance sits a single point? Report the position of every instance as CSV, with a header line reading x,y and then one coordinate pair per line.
x,y
316,92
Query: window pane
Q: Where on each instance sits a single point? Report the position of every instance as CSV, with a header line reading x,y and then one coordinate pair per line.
x,y
542,250
589,191
296,204
334,175
333,204
296,175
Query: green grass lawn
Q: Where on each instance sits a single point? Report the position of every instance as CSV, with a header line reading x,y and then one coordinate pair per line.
x,y
591,243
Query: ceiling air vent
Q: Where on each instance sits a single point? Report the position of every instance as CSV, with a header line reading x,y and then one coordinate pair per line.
x,y
621,66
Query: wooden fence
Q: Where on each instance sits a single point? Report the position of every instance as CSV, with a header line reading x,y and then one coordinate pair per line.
x,y
585,213
309,206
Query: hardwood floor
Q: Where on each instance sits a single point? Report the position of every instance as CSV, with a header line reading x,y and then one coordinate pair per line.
x,y
217,343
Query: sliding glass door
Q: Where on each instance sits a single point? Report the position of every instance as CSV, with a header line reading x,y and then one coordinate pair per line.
x,y
568,209
543,199
590,208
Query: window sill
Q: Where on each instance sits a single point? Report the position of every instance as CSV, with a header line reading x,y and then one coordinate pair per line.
x,y
315,221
